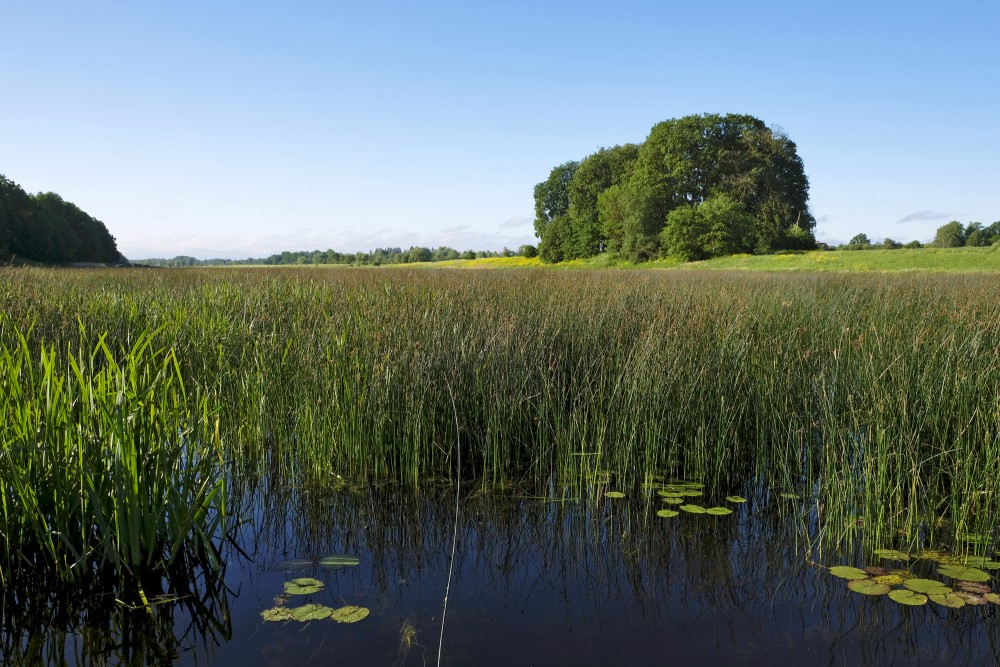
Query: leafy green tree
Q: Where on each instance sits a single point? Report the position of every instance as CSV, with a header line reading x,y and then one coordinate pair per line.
x,y
444,253
978,235
859,242
552,196
914,245
717,226
15,213
419,254
556,239
950,235
527,250
889,244
595,174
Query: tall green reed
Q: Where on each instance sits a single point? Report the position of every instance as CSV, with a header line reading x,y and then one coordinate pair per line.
x,y
106,460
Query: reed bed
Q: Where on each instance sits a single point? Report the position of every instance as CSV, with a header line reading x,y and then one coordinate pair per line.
x,y
876,397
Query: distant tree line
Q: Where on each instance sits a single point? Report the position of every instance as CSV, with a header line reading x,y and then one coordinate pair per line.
x,y
699,186
46,228
950,235
377,257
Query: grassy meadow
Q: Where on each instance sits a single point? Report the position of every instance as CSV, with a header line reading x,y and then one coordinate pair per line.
x,y
129,395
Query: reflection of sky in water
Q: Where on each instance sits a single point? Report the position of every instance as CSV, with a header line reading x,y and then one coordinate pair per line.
x,y
543,583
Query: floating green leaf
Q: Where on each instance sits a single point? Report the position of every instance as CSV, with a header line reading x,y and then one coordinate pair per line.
x,y
718,511
667,513
293,564
970,598
928,586
311,612
614,494
892,554
674,501
277,614
693,509
339,561
868,587
992,597
303,586
908,597
349,614
848,572
981,562
736,499
950,600
963,573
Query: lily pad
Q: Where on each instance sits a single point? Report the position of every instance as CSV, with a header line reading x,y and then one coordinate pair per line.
x,y
892,554
614,494
992,597
963,573
303,586
928,586
693,509
311,612
981,562
672,500
718,511
974,587
950,600
970,598
736,499
277,614
339,561
293,564
868,587
349,614
667,513
848,572
908,597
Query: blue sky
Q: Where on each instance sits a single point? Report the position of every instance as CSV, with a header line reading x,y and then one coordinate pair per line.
x,y
236,129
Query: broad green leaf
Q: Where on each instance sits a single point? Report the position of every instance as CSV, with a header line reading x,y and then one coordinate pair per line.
x,y
693,509
868,587
928,586
848,572
311,612
736,499
963,573
908,597
277,614
992,597
338,561
303,586
718,511
349,614
674,501
951,600
667,513
892,554
614,494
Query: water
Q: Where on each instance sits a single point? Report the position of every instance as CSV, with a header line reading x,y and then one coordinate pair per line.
x,y
536,582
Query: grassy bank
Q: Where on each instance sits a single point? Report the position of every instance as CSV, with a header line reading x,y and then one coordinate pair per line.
x,y
878,397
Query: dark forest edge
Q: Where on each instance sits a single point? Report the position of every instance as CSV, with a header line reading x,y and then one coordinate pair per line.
x,y
44,228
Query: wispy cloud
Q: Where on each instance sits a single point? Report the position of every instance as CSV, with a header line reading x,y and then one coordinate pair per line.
x,y
513,223
925,215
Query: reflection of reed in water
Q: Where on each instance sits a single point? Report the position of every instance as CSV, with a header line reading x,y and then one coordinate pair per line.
x,y
578,573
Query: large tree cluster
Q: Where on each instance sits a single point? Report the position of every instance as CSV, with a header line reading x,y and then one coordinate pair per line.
x,y
46,228
698,187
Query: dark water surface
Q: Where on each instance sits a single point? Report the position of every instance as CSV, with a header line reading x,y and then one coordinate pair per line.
x,y
540,582
603,582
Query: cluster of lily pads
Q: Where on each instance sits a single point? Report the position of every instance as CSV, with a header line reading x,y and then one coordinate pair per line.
x,y
307,586
970,587
679,494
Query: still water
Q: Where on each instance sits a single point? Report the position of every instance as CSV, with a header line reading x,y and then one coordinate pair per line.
x,y
536,581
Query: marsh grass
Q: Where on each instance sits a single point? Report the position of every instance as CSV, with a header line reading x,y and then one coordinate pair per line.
x,y
107,462
876,397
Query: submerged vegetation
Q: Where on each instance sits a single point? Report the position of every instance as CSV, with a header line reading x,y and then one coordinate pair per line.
x,y
856,400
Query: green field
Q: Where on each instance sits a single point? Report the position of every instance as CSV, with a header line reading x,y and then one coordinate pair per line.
x,y
903,259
